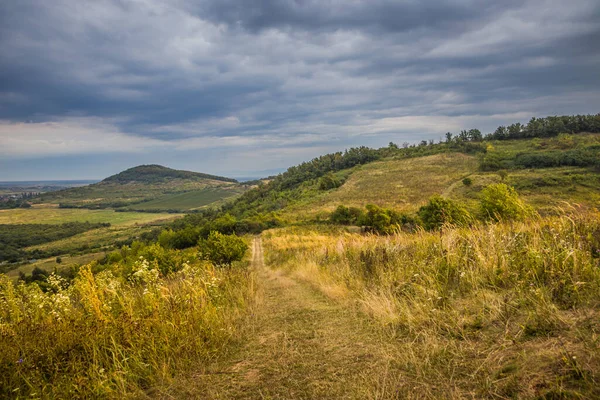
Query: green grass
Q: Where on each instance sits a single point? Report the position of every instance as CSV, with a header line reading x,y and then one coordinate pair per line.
x,y
188,200
49,214
114,194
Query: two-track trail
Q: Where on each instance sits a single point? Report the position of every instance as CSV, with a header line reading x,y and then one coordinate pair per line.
x,y
303,346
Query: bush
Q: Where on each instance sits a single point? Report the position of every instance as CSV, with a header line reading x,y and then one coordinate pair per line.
x,y
467,181
329,181
346,216
440,211
223,250
384,220
501,202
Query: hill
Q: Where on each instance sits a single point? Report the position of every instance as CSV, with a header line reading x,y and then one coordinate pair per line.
x,y
138,187
157,174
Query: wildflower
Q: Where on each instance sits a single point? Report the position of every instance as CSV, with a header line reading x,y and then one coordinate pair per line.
x,y
20,361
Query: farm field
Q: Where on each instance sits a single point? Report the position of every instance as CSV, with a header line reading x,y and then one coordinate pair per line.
x,y
50,264
188,200
52,214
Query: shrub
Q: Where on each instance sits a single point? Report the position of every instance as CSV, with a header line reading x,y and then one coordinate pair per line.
x,y
346,215
500,201
329,181
467,181
440,211
384,220
223,250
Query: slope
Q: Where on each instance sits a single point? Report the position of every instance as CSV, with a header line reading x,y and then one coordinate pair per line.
x,y
142,184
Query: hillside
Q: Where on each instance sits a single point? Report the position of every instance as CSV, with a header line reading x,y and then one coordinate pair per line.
x,y
159,174
149,188
548,172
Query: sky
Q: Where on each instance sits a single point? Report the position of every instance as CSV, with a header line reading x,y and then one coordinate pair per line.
x,y
251,87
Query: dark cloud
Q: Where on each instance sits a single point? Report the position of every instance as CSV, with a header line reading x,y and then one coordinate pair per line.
x,y
283,77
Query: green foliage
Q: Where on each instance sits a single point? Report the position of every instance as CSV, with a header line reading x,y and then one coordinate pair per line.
x,y
346,215
467,181
158,173
223,250
547,127
501,202
383,220
440,211
14,238
329,181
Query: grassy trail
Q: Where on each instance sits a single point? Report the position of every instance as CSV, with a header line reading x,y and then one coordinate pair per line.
x,y
303,346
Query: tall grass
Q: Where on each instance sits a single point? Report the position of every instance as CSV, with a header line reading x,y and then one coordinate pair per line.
x,y
498,310
112,335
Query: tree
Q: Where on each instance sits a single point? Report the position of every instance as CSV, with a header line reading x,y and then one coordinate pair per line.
x,y
501,202
440,211
223,250
448,137
475,135
329,181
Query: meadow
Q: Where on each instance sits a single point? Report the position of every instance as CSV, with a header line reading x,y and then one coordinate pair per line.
x,y
118,330
505,310
52,214
188,201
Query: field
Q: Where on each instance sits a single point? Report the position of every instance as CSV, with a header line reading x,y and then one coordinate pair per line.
x,y
188,200
494,311
51,214
51,265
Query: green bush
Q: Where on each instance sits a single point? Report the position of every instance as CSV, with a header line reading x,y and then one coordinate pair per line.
x,y
501,202
467,181
346,215
329,181
440,211
384,220
223,250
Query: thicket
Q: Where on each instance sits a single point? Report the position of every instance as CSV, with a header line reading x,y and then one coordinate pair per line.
x,y
547,127
440,211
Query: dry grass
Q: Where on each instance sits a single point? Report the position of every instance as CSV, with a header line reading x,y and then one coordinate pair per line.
x,y
496,311
126,332
51,214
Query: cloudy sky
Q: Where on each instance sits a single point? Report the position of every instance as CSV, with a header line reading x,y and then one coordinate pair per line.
x,y
245,87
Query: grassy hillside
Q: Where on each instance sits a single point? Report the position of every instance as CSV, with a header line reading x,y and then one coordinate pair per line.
x,y
405,184
142,184
187,201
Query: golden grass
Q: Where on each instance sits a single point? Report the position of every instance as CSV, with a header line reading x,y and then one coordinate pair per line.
x,y
495,311
51,214
125,332
401,184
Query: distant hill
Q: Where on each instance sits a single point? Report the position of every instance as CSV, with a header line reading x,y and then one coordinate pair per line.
x,y
150,188
157,174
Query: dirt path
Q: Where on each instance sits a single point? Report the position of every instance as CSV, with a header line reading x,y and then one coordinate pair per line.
x,y
304,346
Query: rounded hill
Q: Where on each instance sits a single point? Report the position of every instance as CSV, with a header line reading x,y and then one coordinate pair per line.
x,y
157,173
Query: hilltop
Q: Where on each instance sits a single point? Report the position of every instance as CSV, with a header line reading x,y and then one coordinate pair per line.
x,y
154,173
148,188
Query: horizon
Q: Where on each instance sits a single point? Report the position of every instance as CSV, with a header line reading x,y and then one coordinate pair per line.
x,y
236,88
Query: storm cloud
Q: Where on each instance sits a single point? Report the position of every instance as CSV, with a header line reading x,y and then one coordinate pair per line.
x,y
265,84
